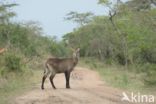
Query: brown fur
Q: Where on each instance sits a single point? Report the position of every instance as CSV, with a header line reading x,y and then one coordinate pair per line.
x,y
58,65
2,50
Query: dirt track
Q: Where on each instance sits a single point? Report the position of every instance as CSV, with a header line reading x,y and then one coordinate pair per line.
x,y
86,88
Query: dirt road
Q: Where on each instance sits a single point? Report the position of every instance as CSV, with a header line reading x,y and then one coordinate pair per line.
x,y
86,88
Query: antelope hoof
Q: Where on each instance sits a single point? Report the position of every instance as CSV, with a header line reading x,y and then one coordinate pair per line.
x,y
42,88
68,87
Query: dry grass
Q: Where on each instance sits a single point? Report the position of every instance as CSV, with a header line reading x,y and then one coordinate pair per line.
x,y
116,76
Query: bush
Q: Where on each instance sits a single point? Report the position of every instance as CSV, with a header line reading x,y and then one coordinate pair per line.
x,y
13,62
150,77
58,49
30,51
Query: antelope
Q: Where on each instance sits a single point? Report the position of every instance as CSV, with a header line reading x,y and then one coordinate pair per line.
x,y
54,66
2,50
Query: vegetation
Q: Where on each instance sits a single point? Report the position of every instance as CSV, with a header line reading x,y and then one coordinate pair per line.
x,y
125,37
26,47
121,46
116,76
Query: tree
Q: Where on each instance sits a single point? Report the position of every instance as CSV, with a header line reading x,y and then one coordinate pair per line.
x,y
80,18
141,4
5,15
5,12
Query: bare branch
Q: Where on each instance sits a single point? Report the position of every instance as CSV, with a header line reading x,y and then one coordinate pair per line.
x,y
111,17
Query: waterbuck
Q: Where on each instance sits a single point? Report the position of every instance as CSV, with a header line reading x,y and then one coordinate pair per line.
x,y
60,65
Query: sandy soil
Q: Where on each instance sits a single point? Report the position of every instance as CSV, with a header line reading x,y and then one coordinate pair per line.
x,y
86,88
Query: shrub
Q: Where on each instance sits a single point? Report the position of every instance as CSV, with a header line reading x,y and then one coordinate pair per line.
x,y
13,62
150,78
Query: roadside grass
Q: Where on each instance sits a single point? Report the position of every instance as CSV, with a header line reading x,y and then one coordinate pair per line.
x,y
14,84
17,82
116,76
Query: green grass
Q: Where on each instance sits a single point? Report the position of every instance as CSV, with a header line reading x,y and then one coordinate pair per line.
x,y
117,76
120,78
17,84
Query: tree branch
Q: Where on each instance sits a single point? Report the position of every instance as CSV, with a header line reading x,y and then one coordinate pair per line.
x,y
111,18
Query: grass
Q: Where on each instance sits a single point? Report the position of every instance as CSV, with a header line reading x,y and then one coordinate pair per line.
x,y
17,84
116,76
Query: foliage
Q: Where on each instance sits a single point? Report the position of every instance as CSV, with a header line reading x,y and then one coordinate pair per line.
x,y
98,38
5,13
128,39
125,38
13,62
23,41
150,78
103,1
58,49
80,18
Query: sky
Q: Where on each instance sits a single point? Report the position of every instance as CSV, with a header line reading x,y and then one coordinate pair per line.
x,y
50,13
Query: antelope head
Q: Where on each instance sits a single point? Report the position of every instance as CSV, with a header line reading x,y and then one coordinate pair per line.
x,y
76,53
